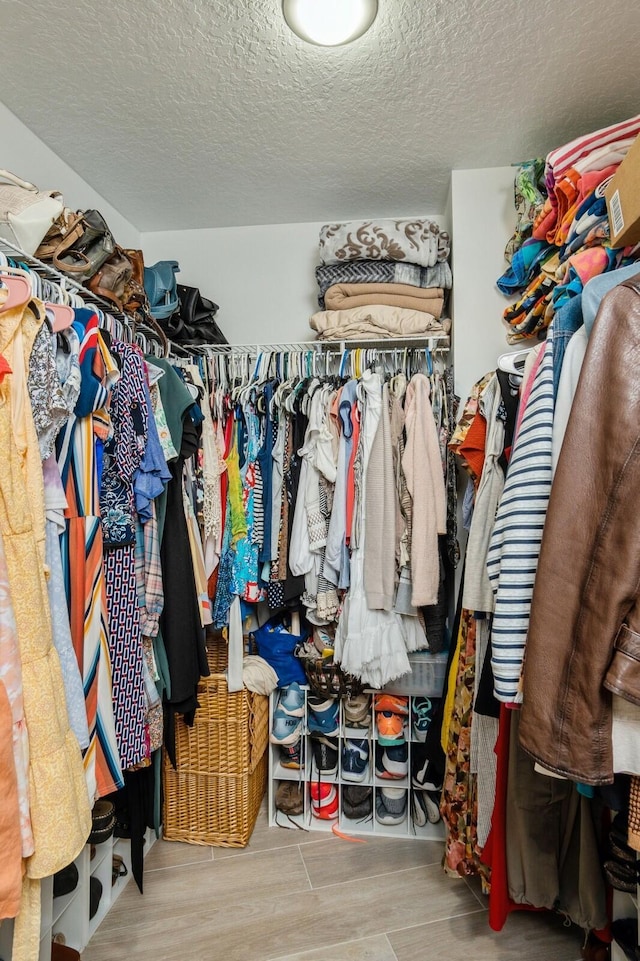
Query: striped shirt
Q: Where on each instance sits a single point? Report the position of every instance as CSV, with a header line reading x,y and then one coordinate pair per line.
x,y
515,542
559,160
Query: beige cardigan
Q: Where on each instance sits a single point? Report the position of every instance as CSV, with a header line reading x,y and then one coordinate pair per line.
x,y
422,467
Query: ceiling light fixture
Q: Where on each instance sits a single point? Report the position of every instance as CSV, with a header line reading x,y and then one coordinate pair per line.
x,y
329,23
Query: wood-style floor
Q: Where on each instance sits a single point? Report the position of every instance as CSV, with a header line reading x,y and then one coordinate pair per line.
x,y
295,896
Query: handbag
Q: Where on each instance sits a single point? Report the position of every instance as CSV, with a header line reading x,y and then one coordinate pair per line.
x,y
162,288
196,319
135,296
112,279
26,213
78,244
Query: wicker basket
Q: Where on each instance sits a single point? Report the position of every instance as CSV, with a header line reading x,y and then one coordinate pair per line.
x,y
214,793
328,679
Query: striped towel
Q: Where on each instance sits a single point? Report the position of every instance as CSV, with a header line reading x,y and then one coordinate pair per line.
x,y
515,543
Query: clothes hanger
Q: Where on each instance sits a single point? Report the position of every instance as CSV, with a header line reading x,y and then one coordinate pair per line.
x,y
18,283
508,362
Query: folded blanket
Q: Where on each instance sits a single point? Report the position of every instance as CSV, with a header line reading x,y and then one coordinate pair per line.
x,y
416,241
382,272
430,299
375,322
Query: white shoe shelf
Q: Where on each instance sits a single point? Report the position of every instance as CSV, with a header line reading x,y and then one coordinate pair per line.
x,y
308,774
68,915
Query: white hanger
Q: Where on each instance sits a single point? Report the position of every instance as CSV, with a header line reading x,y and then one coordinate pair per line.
x,y
509,362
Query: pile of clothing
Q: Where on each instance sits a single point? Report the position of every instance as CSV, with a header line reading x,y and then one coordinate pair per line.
x,y
562,235
381,279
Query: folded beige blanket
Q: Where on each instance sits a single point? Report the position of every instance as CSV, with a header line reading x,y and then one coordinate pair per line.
x,y
375,322
428,299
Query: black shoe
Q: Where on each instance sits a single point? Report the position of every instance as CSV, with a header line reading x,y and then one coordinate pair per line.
x,y
325,754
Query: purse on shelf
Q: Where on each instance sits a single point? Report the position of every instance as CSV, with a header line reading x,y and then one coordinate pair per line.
x,y
113,278
26,213
78,244
135,296
162,288
195,323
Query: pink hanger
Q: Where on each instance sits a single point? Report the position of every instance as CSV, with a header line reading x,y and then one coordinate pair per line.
x,y
19,286
60,315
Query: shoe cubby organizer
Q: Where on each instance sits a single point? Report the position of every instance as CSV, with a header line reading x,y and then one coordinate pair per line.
x,y
68,916
410,819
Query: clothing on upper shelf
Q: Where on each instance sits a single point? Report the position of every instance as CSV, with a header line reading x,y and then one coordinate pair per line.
x,y
382,272
414,241
565,237
375,322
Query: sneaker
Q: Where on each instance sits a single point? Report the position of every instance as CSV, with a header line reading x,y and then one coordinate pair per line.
x,y
291,700
396,703
392,762
292,755
289,798
422,710
422,772
323,717
355,759
391,805
324,799
356,802
424,808
325,755
390,728
286,728
357,711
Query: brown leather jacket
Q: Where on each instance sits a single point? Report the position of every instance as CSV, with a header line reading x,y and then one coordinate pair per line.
x,y
584,632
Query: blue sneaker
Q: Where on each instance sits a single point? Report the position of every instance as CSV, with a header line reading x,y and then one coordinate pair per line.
x,y
355,758
291,700
422,710
323,716
286,728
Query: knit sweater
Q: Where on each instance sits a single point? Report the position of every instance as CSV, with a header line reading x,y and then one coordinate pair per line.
x,y
380,513
422,467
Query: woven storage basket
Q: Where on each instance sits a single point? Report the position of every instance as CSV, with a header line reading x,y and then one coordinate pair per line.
x,y
214,794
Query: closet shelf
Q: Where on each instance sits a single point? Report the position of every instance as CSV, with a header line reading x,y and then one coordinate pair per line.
x,y
47,272
441,342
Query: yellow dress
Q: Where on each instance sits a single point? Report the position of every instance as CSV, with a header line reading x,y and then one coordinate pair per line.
x,y
59,803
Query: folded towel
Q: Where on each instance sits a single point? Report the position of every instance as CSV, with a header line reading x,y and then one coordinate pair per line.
x,y
375,322
382,272
430,300
416,241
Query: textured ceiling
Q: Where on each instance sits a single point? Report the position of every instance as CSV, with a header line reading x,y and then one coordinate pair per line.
x,y
203,113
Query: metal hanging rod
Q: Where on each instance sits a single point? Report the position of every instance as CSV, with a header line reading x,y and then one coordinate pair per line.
x,y
440,343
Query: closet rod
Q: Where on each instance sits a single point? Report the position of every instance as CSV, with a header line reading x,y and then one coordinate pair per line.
x,y
319,346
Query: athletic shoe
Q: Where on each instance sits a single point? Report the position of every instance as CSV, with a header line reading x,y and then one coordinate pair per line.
x,y
286,728
292,755
396,703
324,800
390,728
289,797
356,801
422,709
325,754
357,711
422,771
392,762
291,700
424,808
391,805
355,759
323,715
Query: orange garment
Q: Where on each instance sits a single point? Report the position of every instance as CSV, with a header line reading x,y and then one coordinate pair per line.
x,y
10,838
472,449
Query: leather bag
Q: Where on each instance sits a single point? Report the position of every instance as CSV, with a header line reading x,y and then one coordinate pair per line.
x,y
26,213
113,278
162,288
135,296
197,319
78,244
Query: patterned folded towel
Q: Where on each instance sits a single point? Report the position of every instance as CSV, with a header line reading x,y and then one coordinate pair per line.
x,y
382,272
416,241
375,323
430,299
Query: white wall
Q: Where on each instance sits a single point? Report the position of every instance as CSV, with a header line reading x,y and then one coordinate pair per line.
x,y
483,219
262,277
26,155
